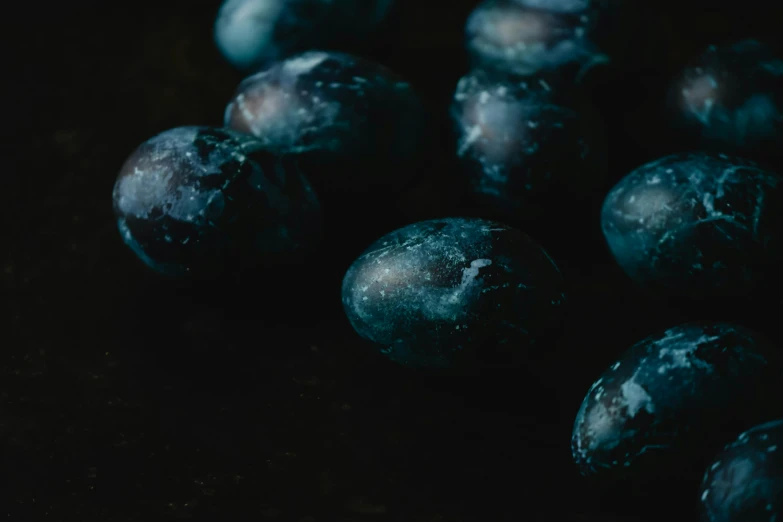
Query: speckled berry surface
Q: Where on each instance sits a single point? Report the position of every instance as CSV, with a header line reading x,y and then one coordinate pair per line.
x,y
730,98
668,387
127,397
695,224
745,482
335,107
438,293
521,151
513,37
190,198
253,33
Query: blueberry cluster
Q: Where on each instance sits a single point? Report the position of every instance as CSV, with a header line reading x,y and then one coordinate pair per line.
x,y
465,293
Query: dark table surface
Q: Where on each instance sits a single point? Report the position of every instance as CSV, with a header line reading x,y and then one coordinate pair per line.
x,y
125,397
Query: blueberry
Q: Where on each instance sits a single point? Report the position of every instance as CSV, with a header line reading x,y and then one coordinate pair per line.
x,y
523,153
199,200
745,481
520,38
355,121
696,225
453,293
253,33
667,398
730,99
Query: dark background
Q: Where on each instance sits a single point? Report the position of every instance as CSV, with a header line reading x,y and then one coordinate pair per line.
x,y
124,396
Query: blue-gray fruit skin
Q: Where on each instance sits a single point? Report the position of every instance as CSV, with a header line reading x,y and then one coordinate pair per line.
x,y
745,482
521,151
445,293
193,201
253,33
697,224
357,121
671,394
557,6
510,37
730,99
